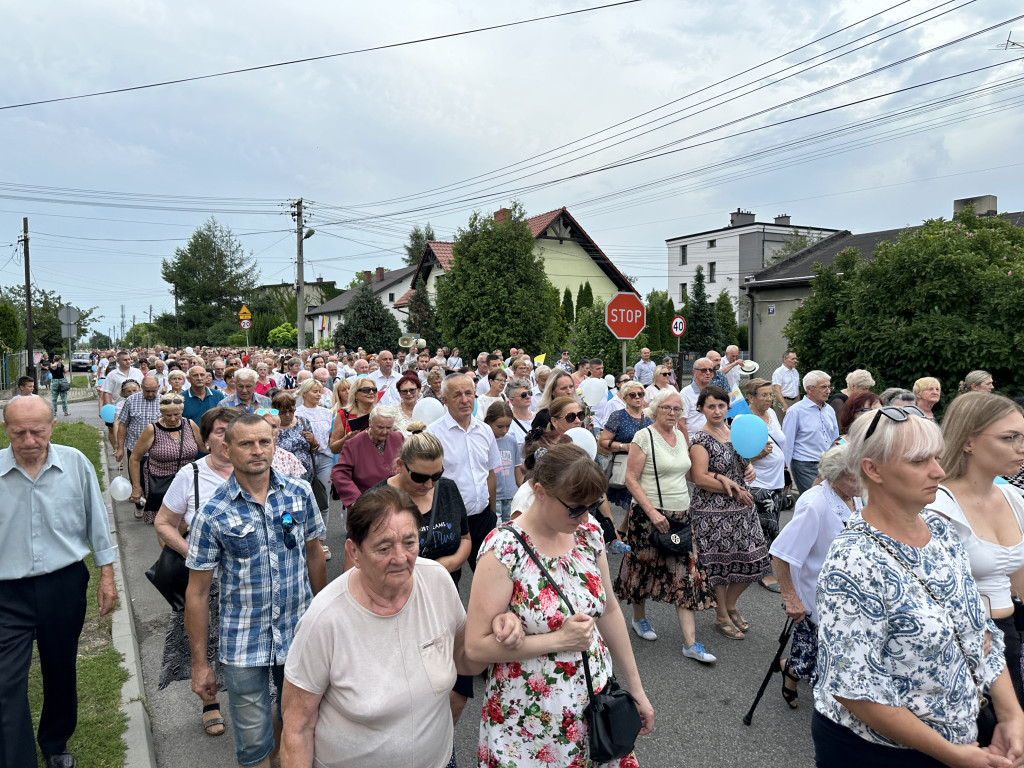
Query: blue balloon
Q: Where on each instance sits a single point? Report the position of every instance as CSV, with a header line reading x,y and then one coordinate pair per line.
x,y
475,403
107,413
1000,481
749,435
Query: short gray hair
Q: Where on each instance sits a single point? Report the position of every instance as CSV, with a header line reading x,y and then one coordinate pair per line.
x,y
517,383
382,412
811,378
541,371
660,397
446,384
245,374
860,378
832,464
898,395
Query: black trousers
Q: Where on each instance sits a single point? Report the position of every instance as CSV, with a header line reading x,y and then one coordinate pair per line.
x,y
838,747
479,526
1012,639
49,609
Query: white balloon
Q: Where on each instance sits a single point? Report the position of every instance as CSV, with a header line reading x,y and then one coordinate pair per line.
x,y
189,351
585,439
428,410
609,380
121,488
593,391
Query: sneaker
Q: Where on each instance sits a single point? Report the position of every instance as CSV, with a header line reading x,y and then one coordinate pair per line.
x,y
696,651
327,551
644,630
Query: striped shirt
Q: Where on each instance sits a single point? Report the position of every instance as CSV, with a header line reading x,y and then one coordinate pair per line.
x,y
264,586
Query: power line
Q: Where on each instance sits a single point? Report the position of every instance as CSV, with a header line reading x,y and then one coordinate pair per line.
x,y
308,59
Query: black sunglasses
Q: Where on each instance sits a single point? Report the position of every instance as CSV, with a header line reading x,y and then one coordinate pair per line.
x,y
571,417
894,412
524,395
575,512
367,390
286,526
419,478
407,391
172,401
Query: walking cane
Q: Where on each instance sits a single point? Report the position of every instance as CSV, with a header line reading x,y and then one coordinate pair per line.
x,y
775,666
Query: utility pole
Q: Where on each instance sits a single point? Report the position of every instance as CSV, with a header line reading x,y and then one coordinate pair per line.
x,y
177,327
122,324
30,367
300,280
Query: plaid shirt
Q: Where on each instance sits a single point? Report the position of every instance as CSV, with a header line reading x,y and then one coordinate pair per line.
x,y
136,414
258,401
264,586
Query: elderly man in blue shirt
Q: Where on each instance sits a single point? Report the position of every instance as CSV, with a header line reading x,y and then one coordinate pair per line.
x,y
52,514
810,428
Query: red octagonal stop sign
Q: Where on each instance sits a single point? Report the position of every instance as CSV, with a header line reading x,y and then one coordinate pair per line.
x,y
625,315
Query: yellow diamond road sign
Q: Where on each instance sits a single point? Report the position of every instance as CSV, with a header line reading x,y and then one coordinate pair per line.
x,y
244,313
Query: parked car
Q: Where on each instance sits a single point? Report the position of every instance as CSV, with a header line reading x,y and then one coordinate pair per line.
x,y
81,361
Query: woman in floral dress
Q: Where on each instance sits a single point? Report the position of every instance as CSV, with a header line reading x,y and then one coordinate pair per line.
x,y
536,695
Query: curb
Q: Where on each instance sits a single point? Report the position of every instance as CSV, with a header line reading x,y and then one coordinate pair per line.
x,y
138,736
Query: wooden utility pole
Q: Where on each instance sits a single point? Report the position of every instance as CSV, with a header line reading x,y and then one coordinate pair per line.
x,y
30,367
300,280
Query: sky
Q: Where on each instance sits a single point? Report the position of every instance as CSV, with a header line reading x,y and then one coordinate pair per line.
x,y
773,107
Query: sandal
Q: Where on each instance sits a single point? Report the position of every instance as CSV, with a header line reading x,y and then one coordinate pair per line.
x,y
738,621
727,629
770,587
789,694
214,726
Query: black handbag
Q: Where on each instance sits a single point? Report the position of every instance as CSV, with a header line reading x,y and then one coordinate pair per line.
x,y
612,717
678,540
169,574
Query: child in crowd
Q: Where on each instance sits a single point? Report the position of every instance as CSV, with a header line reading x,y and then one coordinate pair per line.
x,y
510,476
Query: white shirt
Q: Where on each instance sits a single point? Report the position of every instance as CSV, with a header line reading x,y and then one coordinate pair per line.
x,y
386,384
771,468
483,386
694,419
181,496
788,379
112,384
606,408
644,372
733,375
470,455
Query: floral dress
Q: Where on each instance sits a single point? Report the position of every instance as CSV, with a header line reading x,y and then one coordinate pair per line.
x,y
624,427
291,440
533,713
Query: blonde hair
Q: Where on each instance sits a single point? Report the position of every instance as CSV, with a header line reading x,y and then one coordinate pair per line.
x,y
908,440
860,378
627,386
968,416
549,388
420,445
335,399
972,380
926,382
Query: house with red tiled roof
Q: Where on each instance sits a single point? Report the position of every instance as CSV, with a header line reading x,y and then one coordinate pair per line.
x,y
570,256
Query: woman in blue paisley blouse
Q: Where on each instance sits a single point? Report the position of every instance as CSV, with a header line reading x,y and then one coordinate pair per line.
x,y
906,653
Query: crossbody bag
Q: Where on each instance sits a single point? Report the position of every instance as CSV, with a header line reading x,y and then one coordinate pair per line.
x,y
678,540
169,574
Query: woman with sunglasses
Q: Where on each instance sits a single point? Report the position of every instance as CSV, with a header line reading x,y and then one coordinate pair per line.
x,y
656,478
409,389
170,443
984,439
525,723
519,396
906,651
726,531
662,380
619,427
857,404
355,417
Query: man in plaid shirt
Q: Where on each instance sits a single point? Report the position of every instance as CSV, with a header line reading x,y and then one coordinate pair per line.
x,y
263,531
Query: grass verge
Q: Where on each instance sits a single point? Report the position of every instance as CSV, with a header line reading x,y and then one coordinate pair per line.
x,y
101,723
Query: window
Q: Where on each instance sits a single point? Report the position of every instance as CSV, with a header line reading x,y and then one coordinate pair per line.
x,y
712,243
711,271
391,298
682,292
682,255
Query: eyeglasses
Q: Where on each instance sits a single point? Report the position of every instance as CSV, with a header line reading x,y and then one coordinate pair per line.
x,y
1016,439
894,412
497,379
569,418
634,394
663,373
670,408
623,381
822,387
367,390
419,477
579,511
286,527
703,370
267,412
172,401
408,391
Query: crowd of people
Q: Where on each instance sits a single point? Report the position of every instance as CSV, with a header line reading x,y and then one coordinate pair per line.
x,y
900,569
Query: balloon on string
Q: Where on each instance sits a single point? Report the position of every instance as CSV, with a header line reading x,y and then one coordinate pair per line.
x,y
120,488
749,435
108,412
1000,480
585,439
428,410
593,391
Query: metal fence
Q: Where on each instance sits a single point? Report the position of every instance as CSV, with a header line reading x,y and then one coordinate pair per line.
x,y
15,365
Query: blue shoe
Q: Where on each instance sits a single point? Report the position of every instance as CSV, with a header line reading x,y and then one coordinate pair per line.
x,y
696,651
644,630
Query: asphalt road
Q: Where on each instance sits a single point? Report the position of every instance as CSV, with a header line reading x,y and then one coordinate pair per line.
x,y
698,708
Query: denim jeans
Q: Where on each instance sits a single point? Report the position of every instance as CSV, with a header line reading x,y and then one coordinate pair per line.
x,y
804,473
504,509
54,394
249,702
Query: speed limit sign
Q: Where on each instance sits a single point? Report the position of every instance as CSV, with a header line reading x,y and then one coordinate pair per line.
x,y
246,324
678,325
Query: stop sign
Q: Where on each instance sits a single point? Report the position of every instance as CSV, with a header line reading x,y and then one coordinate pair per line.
x,y
625,315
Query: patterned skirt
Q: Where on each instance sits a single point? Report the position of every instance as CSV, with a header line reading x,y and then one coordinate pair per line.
x,y
768,503
803,655
730,545
648,573
177,661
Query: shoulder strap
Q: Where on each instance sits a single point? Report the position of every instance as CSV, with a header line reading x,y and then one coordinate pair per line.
x,y
654,461
195,482
544,572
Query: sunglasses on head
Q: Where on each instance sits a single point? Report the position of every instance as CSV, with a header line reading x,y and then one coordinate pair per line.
x,y
172,401
367,390
571,417
896,413
286,528
267,411
579,511
419,477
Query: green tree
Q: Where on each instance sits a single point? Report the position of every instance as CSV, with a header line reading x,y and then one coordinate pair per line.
x,y
702,331
284,335
725,313
367,324
422,320
496,293
568,310
12,337
143,335
100,341
45,321
793,245
660,312
584,297
591,338
938,301
418,238
213,276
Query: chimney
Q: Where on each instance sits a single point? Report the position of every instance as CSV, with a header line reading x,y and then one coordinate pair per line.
x,y
380,274
500,215
319,279
984,205
367,274
782,220
740,218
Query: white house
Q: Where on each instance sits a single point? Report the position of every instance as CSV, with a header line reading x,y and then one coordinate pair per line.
x,y
387,285
729,254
